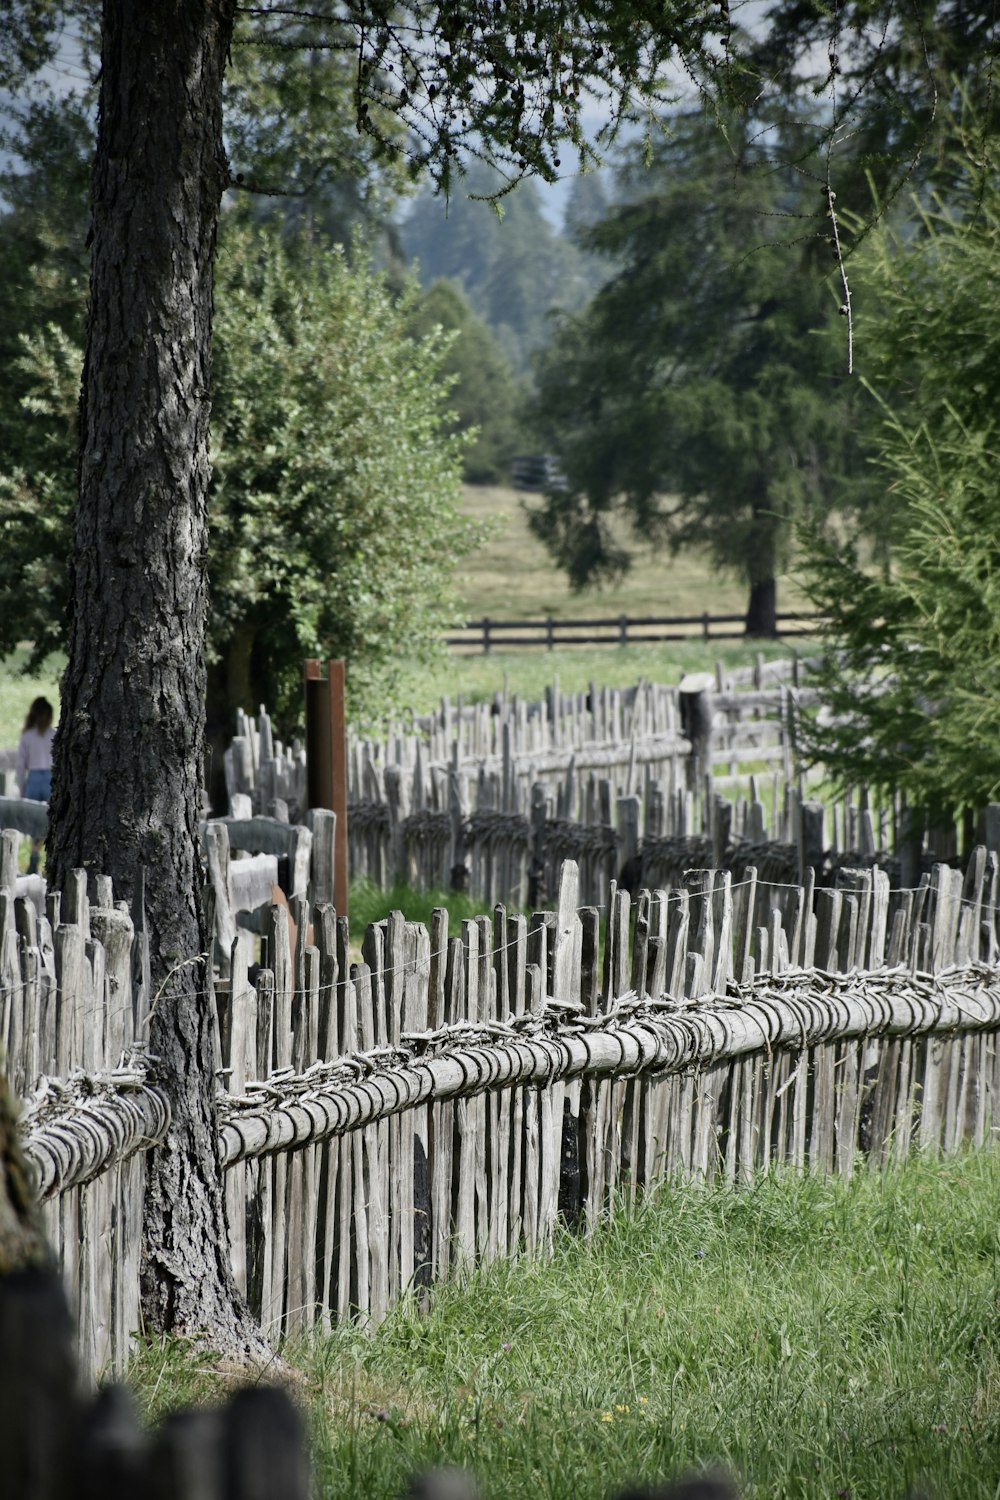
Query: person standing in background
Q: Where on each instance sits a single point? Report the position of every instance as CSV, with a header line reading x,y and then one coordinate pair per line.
x,y
34,763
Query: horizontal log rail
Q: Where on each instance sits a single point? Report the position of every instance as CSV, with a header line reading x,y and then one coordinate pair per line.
x,y
621,630
794,1010
74,1129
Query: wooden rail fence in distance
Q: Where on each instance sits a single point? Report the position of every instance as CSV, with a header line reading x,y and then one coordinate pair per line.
x,y
621,630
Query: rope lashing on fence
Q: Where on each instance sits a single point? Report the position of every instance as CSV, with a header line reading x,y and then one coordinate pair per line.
x,y
793,1011
74,1129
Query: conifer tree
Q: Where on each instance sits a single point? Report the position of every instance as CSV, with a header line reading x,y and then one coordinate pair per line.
x,y
911,682
693,394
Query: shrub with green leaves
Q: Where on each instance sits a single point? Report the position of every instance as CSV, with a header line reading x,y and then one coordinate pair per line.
x,y
334,520
334,507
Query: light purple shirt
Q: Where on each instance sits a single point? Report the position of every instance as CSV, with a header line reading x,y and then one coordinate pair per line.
x,y
34,753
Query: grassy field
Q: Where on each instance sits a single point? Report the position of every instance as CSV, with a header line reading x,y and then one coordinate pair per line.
x,y
475,677
513,577
529,672
814,1338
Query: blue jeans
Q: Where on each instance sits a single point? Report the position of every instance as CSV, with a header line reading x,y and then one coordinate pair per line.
x,y
38,787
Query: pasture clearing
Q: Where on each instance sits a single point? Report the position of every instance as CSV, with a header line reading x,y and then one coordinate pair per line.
x,y
818,1338
528,673
512,576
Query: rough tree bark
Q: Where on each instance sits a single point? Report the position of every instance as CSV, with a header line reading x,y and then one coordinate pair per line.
x,y
128,761
762,607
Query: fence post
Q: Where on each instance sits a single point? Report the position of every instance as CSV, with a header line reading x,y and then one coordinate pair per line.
x,y
459,879
326,759
810,838
623,630
486,635
536,860
694,694
550,632
991,827
705,622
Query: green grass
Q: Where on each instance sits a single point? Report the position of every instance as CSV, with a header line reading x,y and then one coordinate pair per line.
x,y
512,576
475,677
815,1338
369,903
17,691
529,672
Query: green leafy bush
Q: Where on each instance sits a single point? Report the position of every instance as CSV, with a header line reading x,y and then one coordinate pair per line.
x,y
334,520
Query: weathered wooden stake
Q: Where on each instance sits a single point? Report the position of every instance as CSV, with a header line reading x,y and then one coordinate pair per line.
x,y
326,760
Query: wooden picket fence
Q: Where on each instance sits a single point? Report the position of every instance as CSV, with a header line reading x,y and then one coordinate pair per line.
x,y
489,797
478,827
74,997
388,1120
521,742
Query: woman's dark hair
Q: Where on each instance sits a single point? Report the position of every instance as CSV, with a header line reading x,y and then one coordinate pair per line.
x,y
39,715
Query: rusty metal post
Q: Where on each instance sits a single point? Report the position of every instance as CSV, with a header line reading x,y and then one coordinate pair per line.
x,y
326,760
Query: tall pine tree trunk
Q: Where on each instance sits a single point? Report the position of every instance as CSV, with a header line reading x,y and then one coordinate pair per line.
x,y
762,607
128,763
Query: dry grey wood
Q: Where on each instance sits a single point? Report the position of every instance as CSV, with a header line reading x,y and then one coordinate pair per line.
x,y
240,1058
785,1012
322,823
215,836
611,1124
74,1129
